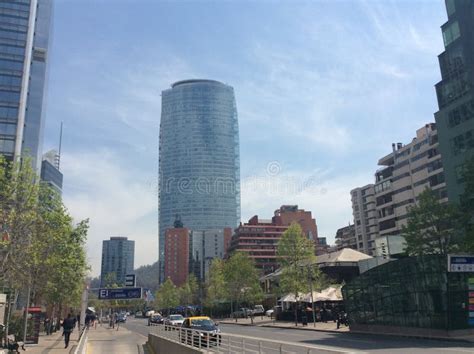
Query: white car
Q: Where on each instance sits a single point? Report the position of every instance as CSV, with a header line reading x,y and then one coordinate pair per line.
x,y
174,320
269,313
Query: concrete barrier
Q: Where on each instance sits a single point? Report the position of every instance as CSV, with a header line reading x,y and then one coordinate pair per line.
x,y
162,345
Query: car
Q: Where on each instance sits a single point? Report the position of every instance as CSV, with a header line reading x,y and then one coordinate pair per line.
x,y
258,310
243,312
138,314
149,313
174,320
200,331
155,319
270,312
121,317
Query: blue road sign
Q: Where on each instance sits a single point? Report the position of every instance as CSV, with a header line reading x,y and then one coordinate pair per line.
x,y
120,294
461,263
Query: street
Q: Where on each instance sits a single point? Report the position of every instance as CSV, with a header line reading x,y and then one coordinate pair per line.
x,y
344,341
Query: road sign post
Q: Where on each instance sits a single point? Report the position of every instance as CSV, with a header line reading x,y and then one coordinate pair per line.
x,y
130,281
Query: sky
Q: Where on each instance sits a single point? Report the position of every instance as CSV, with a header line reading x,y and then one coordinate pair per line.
x,y
323,88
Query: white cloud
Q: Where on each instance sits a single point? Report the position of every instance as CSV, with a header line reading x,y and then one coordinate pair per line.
x,y
118,200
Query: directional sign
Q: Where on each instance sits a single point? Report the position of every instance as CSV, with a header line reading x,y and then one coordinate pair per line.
x,y
120,293
461,264
130,280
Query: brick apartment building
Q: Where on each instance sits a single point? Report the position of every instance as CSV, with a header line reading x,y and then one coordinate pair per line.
x,y
259,237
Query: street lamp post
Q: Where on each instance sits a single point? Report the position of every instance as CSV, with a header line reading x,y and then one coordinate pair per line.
x,y
310,274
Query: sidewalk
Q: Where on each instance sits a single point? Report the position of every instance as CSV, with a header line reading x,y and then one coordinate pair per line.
x,y
267,322
53,343
107,340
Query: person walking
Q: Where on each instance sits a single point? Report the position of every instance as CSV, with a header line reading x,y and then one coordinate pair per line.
x,y
68,326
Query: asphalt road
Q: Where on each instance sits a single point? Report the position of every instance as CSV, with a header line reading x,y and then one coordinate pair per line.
x,y
340,341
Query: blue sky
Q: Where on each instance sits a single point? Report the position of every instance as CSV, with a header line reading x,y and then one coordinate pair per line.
x,y
323,88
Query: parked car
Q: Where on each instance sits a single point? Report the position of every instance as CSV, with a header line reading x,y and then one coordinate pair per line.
x,y
156,319
138,314
149,313
121,317
270,312
243,312
200,330
174,320
258,310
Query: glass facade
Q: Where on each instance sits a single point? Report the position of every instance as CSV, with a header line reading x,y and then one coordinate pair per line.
x,y
199,166
118,255
455,93
52,176
24,45
411,292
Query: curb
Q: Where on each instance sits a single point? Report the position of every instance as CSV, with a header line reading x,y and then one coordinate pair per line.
x,y
400,335
283,327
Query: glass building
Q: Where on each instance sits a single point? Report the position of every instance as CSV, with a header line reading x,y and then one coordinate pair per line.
x,y
118,255
413,295
199,164
455,93
24,41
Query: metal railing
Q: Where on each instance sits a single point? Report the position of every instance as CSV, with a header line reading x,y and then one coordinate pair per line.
x,y
81,346
213,342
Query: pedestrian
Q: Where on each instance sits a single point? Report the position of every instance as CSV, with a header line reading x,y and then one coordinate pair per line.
x,y
47,326
68,326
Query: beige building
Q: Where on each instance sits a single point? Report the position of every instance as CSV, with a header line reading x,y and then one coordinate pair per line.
x,y
406,172
365,218
381,209
346,238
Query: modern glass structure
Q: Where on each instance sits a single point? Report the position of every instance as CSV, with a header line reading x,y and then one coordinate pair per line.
x,y
455,93
413,295
199,165
118,255
24,41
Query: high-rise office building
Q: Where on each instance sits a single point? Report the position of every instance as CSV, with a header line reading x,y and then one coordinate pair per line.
x,y
455,93
199,165
50,172
118,256
24,41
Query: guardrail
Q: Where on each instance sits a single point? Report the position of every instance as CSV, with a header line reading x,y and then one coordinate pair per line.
x,y
216,342
81,346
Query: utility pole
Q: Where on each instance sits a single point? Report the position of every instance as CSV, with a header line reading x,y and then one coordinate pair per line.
x,y
310,274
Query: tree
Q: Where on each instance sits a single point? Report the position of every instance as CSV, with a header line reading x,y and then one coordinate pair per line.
x,y
167,295
294,252
242,281
216,286
18,214
432,227
188,292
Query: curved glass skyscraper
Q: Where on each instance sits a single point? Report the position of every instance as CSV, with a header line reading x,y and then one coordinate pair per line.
x,y
199,167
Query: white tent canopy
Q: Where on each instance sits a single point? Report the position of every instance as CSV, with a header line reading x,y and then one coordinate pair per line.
x,y
333,293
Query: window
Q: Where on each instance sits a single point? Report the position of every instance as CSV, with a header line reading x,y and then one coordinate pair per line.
x,y
450,8
461,114
451,33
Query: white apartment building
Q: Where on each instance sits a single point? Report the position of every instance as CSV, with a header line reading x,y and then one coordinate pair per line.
x,y
381,209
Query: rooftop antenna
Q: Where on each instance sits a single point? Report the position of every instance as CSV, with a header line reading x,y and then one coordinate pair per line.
x,y
60,144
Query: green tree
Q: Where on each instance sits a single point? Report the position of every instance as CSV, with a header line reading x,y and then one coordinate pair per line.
x,y
216,286
189,291
167,295
433,227
242,280
18,215
295,251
